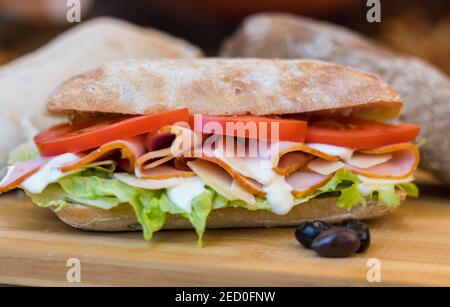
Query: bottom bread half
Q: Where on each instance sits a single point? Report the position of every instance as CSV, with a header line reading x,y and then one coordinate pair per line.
x,y
122,218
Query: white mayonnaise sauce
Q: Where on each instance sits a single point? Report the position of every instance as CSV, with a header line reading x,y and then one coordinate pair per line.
x,y
365,189
49,173
277,189
279,195
184,193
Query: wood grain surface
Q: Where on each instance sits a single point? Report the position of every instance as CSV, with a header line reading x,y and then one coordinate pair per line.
x,y
412,244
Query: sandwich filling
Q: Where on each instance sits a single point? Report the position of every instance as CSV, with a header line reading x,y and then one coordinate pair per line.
x,y
170,163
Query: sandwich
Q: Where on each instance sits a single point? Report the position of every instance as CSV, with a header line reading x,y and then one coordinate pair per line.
x,y
219,143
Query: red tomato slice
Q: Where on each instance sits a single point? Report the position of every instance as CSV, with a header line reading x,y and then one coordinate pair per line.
x,y
359,134
91,134
259,127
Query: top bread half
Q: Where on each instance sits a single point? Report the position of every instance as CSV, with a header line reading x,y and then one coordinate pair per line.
x,y
226,87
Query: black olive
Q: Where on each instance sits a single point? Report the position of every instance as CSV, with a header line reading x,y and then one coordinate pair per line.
x,y
362,229
308,231
336,242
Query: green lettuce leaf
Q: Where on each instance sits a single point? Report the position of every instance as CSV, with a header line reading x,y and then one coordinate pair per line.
x,y
261,204
388,195
201,207
350,197
345,185
219,200
55,196
342,179
146,206
94,186
409,188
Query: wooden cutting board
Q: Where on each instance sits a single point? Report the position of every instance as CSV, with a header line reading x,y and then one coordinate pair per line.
x,y
412,245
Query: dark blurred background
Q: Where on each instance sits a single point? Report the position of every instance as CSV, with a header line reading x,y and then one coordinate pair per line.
x,y
421,28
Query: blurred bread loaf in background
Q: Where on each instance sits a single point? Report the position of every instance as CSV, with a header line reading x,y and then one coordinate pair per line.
x,y
418,32
26,83
424,88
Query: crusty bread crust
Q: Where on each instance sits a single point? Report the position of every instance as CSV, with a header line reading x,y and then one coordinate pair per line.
x,y
122,218
224,87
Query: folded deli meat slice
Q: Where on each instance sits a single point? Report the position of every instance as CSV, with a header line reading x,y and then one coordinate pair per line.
x,y
304,182
363,160
130,150
221,181
390,162
17,173
164,171
404,161
247,183
325,167
166,144
291,161
287,157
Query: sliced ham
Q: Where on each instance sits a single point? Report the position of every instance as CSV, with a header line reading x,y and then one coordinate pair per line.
x,y
168,143
325,167
292,161
391,148
221,181
390,162
281,148
342,153
304,182
287,157
363,160
19,172
159,140
247,183
404,160
130,149
181,163
154,159
163,172
290,157
209,154
402,164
